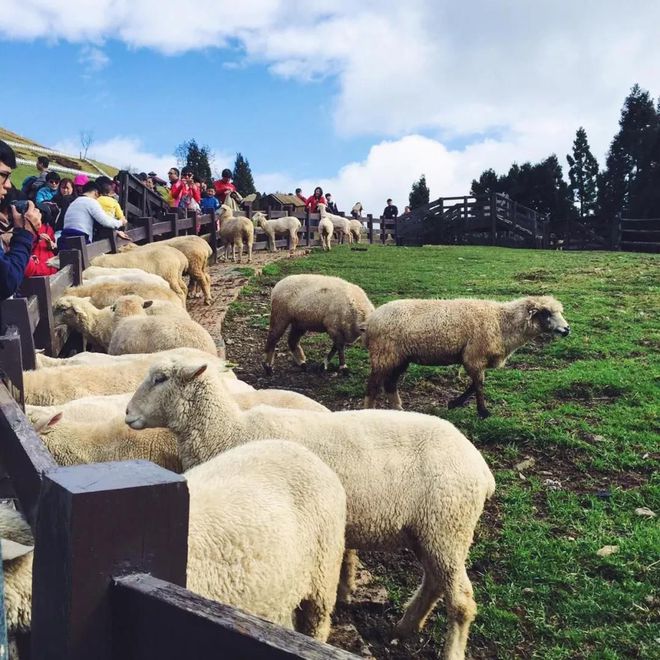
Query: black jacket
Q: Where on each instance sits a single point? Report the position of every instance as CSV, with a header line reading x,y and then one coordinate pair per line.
x,y
390,212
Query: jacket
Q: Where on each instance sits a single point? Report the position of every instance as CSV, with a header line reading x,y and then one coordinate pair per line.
x,y
41,253
13,262
312,203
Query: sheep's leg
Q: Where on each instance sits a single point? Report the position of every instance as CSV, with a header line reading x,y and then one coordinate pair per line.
x,y
313,617
461,610
477,375
239,243
420,605
341,349
206,288
347,576
374,386
295,334
462,399
392,387
275,332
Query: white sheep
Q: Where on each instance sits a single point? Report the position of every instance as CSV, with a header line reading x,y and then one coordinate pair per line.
x,y
326,230
478,334
135,332
104,294
234,231
342,225
161,260
356,228
101,274
265,534
316,303
286,226
411,480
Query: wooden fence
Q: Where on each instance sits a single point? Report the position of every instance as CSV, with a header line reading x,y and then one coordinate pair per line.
x,y
639,234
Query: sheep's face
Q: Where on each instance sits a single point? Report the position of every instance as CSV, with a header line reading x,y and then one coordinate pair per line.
x,y
546,316
130,306
16,537
68,309
161,399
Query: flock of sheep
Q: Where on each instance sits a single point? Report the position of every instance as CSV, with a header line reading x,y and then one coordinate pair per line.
x,y
283,492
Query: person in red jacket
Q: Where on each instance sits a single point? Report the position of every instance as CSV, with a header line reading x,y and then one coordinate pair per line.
x,y
316,199
44,248
224,186
185,191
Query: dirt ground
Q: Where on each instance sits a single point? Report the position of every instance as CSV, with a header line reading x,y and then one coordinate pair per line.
x,y
363,626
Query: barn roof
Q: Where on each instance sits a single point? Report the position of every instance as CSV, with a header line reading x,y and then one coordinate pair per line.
x,y
288,199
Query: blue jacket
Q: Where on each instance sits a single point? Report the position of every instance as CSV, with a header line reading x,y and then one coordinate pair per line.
x,y
13,262
209,204
45,194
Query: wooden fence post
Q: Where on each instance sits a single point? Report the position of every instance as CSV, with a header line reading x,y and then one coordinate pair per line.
x,y
493,219
213,236
72,258
96,522
14,314
78,243
370,227
40,287
308,224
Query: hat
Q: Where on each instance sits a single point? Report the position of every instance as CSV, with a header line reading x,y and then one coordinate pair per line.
x,y
80,180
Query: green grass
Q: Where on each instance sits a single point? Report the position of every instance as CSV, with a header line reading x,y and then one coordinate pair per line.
x,y
584,407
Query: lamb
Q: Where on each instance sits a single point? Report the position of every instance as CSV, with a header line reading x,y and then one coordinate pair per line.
x,y
161,260
411,480
135,332
296,514
73,442
50,386
104,294
287,226
355,227
316,303
341,225
101,274
326,229
234,230
478,334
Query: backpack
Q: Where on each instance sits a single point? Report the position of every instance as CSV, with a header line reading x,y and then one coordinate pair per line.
x,y
27,184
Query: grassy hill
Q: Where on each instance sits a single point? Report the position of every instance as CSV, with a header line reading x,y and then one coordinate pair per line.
x,y
29,151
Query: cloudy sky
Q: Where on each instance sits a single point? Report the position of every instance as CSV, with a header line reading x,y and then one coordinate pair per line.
x,y
359,97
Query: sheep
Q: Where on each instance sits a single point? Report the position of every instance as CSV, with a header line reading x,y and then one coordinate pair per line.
x,y
161,260
104,294
478,334
234,230
326,229
73,442
288,226
355,227
315,303
356,211
296,508
411,480
197,251
102,274
341,225
135,332
50,386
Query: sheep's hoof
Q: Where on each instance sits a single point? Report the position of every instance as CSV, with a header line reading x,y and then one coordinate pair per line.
x,y
483,413
267,368
343,370
458,402
303,366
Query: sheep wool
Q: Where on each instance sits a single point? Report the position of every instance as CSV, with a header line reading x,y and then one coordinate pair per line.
x,y
411,480
234,231
478,334
288,226
197,251
104,294
316,303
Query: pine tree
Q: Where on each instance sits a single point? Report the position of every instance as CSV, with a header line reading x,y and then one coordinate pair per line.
x,y
583,174
190,154
243,176
487,183
420,194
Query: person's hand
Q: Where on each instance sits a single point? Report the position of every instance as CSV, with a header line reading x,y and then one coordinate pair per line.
x,y
124,235
51,243
30,220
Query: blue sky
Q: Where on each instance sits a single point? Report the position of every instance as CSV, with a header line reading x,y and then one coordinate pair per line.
x,y
361,98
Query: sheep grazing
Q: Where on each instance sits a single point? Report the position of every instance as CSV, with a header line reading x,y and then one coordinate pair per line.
x,y
74,442
101,274
104,294
234,231
266,534
326,229
95,325
135,332
197,251
355,227
342,225
478,334
316,303
411,480
161,260
286,226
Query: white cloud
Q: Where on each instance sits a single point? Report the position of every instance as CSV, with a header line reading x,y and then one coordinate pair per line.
x,y
93,59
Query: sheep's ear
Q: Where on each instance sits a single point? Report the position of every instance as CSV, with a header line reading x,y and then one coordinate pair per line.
x,y
147,303
190,372
532,309
47,420
13,549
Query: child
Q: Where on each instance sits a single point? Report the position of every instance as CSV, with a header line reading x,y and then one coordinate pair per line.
x,y
107,200
209,203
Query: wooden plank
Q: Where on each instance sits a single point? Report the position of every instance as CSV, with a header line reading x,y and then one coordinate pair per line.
x,y
78,243
14,313
11,365
98,247
96,522
73,259
23,454
160,621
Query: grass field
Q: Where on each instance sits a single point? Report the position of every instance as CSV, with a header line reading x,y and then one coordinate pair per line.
x,y
583,410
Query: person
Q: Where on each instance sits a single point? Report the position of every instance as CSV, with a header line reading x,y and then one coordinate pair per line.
x,y
184,191
83,213
25,228
149,183
317,198
44,248
209,203
49,189
300,196
31,184
390,211
107,200
332,207
407,210
64,196
356,211
224,186
79,181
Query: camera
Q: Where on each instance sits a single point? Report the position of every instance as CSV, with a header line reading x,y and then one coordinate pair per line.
x,y
21,205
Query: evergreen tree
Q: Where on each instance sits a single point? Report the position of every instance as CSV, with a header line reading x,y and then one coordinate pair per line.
x,y
583,174
420,194
190,154
487,183
243,176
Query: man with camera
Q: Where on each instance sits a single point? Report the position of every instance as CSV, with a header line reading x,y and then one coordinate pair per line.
x,y
23,223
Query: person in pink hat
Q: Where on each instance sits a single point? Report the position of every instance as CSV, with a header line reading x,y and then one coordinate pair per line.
x,y
78,182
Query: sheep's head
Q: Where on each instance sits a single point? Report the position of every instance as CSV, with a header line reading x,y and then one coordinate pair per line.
x,y
43,421
69,309
127,247
321,208
165,394
258,217
226,211
545,314
130,305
